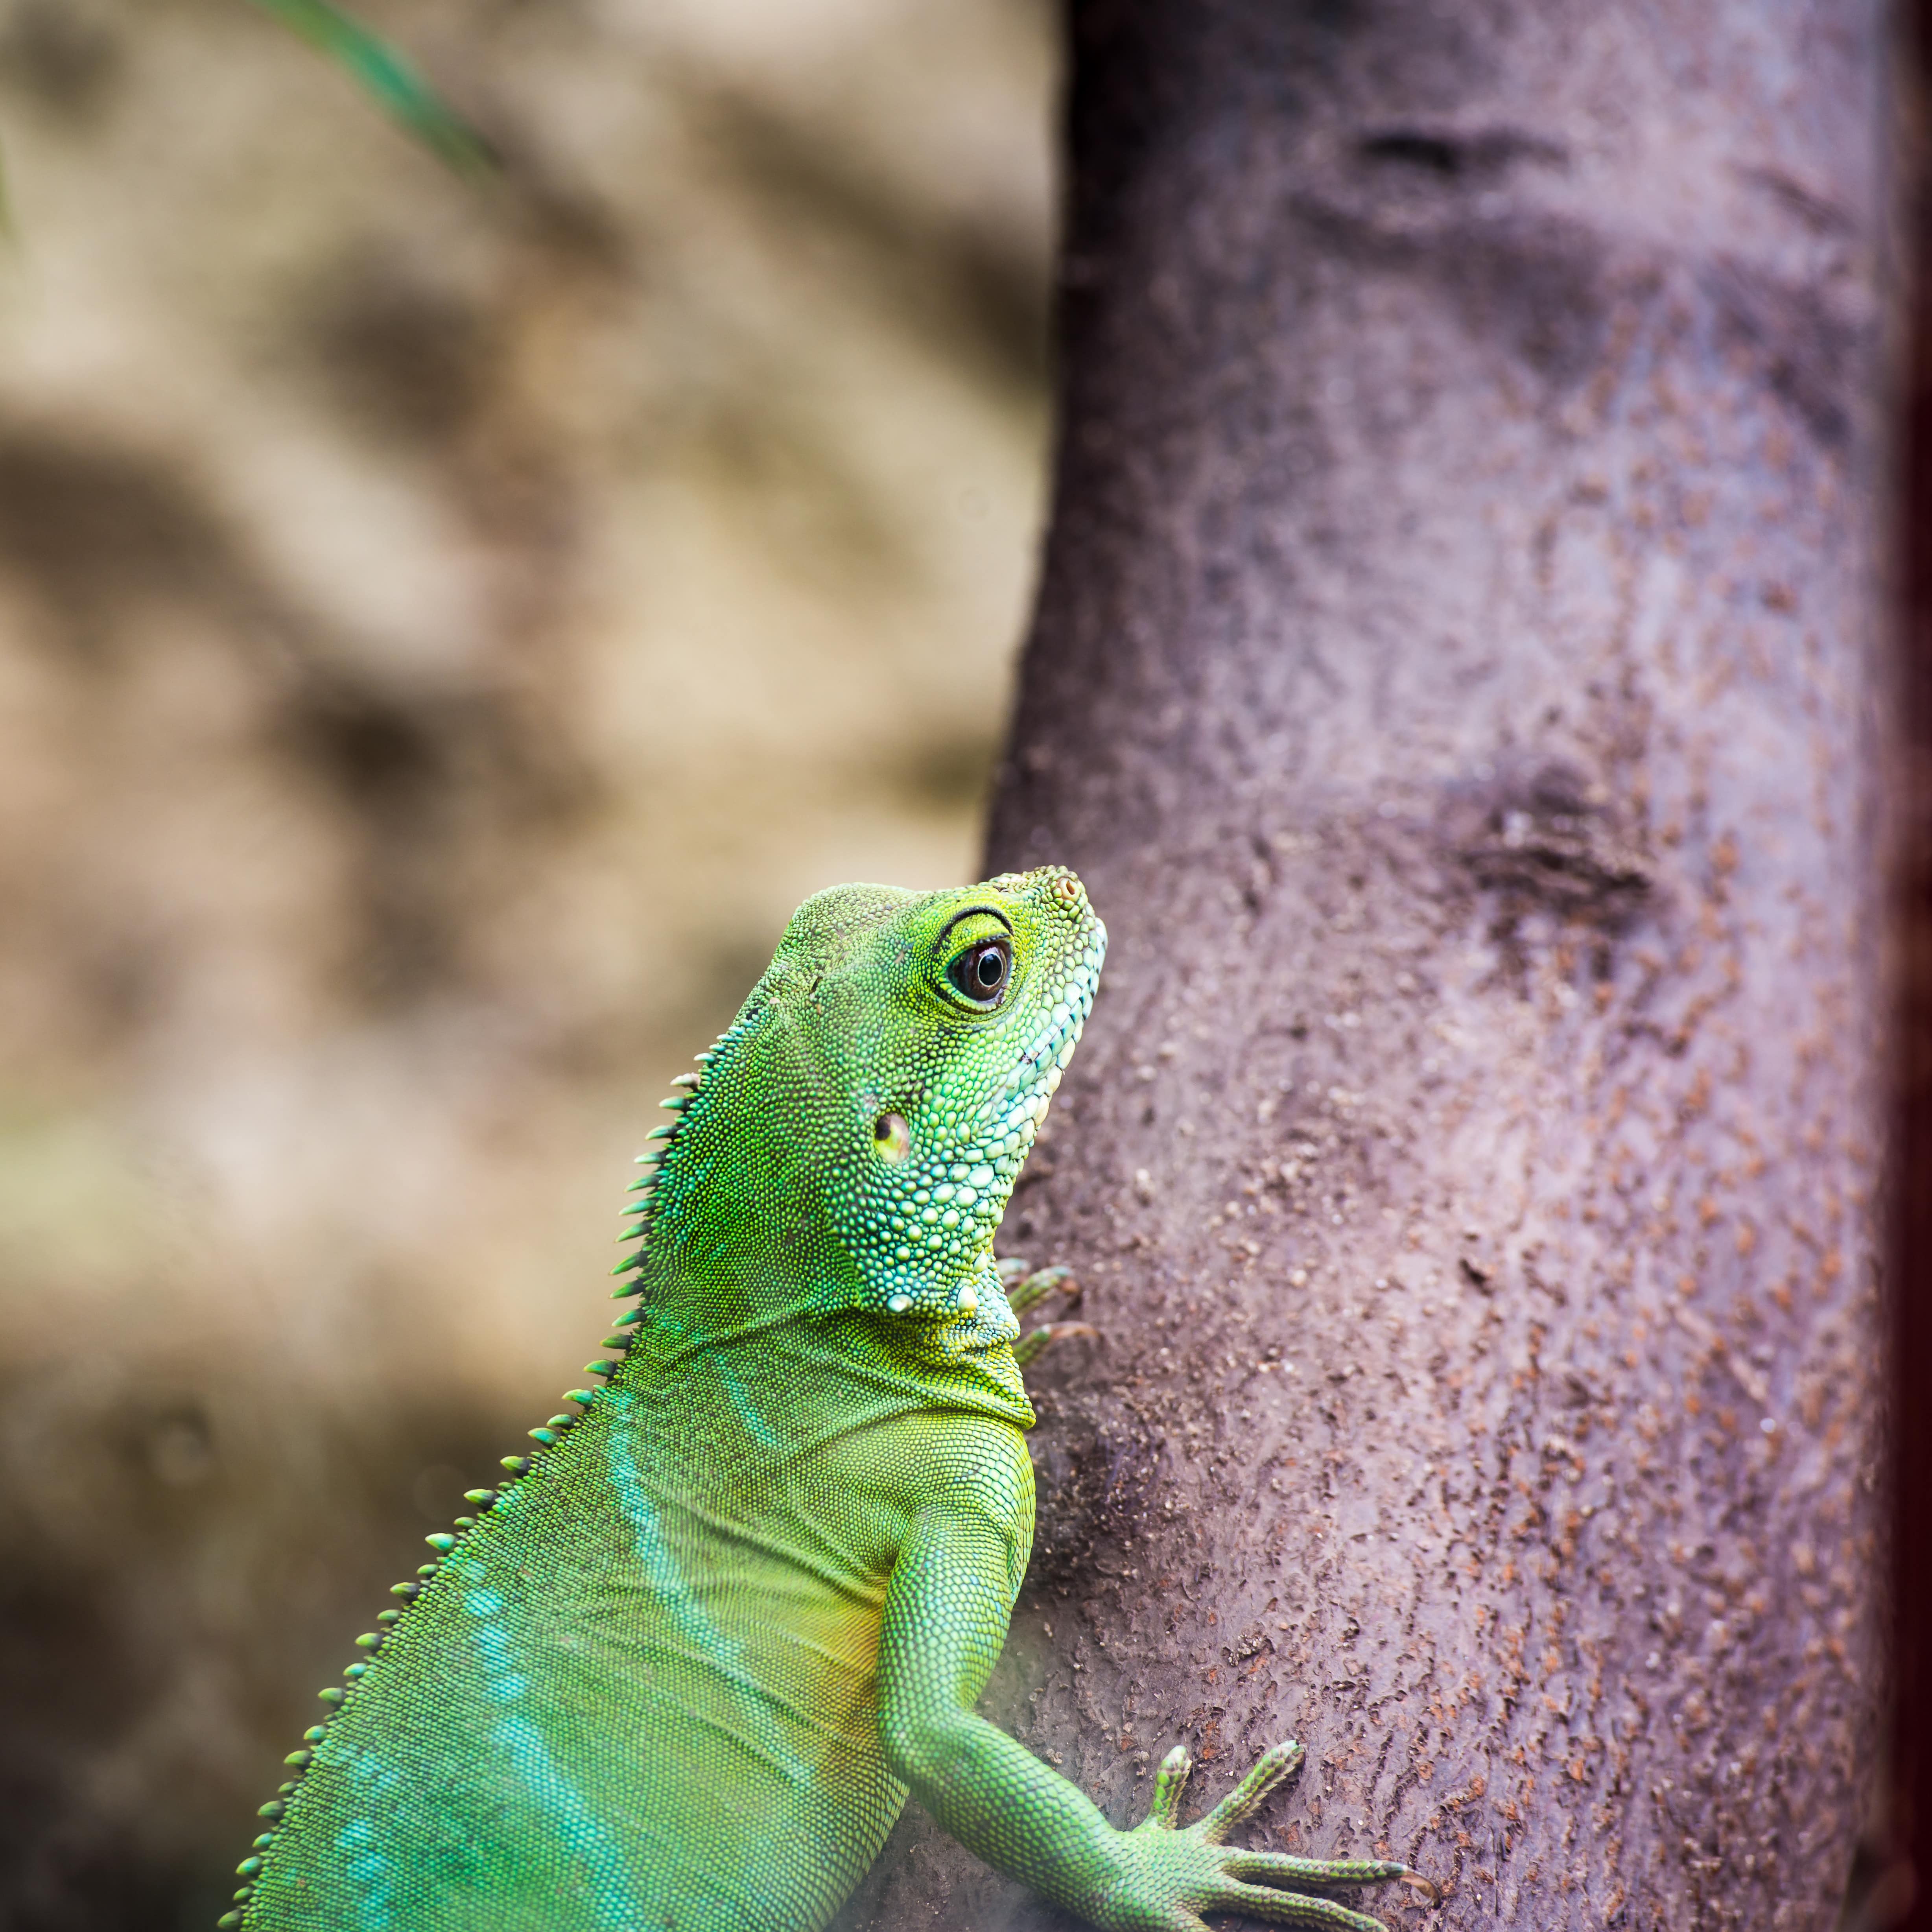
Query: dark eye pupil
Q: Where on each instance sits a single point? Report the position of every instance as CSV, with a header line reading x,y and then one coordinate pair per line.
x,y
981,973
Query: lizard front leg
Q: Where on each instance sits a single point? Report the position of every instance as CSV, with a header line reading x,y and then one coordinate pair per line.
x,y
945,1612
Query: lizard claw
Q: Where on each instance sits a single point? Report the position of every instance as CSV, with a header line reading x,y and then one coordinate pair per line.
x,y
1030,1348
1169,1782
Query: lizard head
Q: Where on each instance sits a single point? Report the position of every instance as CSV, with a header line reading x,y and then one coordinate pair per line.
x,y
981,994
901,1048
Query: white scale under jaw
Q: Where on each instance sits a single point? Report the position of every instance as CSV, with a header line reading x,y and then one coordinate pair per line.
x,y
1028,1113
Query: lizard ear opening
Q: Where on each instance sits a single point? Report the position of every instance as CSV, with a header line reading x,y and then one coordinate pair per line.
x,y
892,1139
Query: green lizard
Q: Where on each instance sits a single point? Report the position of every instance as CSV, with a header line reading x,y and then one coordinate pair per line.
x,y
680,1670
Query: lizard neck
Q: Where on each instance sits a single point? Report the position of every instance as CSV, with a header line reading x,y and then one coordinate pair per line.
x,y
772,1345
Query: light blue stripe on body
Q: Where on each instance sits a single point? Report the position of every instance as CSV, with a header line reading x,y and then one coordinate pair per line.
x,y
666,1582
615,1889
760,1430
368,1870
614,1892
697,1347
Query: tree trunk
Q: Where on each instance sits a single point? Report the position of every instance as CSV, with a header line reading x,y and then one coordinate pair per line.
x,y
1452,679
1906,1837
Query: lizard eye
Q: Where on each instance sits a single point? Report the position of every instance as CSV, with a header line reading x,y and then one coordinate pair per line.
x,y
981,972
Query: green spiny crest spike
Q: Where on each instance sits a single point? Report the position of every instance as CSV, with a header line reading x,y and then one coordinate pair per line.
x,y
298,1759
248,1868
287,1789
605,1367
426,1570
624,1293
267,1839
353,1671
228,1922
586,1397
369,1640
465,1522
687,1080
334,1694
389,1618
546,1436
440,1540
483,1498
630,1267
663,1133
315,1733
616,1341
388,80
516,1465
242,1894
409,1592
273,1809
635,1315
676,1104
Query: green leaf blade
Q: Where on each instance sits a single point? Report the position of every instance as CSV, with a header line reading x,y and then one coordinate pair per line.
x,y
389,79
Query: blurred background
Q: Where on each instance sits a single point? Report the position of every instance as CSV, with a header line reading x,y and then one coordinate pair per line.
x,y
444,628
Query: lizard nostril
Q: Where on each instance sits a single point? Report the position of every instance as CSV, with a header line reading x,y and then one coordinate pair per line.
x,y
892,1139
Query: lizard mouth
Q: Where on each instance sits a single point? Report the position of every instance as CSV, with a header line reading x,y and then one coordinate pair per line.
x,y
1013,1115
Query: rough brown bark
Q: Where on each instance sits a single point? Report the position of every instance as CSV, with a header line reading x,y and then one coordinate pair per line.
x,y
1452,679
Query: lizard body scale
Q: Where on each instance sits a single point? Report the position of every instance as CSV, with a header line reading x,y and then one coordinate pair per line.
x,y
677,1674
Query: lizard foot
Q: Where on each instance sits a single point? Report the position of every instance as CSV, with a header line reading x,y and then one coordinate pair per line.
x,y
1026,1287
1186,1872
